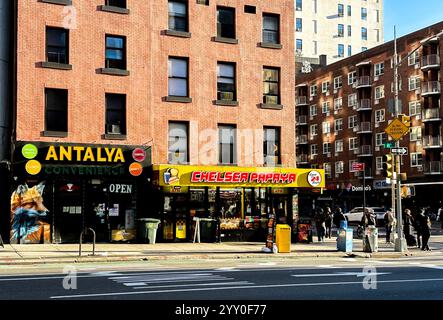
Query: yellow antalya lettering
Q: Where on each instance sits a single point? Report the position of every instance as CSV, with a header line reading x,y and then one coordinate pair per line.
x,y
99,155
51,155
119,156
89,155
79,150
65,153
109,153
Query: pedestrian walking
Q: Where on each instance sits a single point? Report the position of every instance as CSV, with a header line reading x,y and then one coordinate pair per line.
x,y
424,223
320,224
328,222
338,217
368,218
390,223
440,216
417,226
408,223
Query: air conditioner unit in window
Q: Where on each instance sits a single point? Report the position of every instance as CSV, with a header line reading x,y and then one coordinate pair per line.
x,y
417,66
355,129
376,78
418,117
335,90
311,99
337,175
113,129
356,151
271,100
335,133
354,85
327,93
377,101
418,91
328,155
227,96
327,114
311,118
420,169
335,111
377,124
377,148
336,154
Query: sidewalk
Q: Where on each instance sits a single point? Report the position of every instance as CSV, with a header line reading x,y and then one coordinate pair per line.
x,y
69,253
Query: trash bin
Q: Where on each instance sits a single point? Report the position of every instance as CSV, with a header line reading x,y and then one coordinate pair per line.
x,y
344,239
147,231
208,228
283,238
370,239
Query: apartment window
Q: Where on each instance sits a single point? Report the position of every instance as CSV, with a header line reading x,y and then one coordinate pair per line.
x,y
116,3
226,22
377,35
414,108
364,33
379,69
349,51
299,45
271,146
352,100
416,159
325,107
115,114
380,139
414,83
380,115
178,143
271,28
352,122
349,11
379,163
178,77
353,144
328,169
298,5
341,50
313,90
379,92
341,30
227,144
314,149
364,14
340,10
271,82
57,48
226,84
314,6
326,127
56,110
349,31
338,103
377,15
338,125
313,110
314,44
326,148
298,25
339,146
352,77
415,134
414,58
178,15
115,52
313,130
338,82
315,26
339,167
325,86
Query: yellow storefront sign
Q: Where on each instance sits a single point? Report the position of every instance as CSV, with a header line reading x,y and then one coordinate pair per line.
x,y
225,176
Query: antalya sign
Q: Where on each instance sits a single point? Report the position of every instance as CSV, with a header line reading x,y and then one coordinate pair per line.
x,y
85,154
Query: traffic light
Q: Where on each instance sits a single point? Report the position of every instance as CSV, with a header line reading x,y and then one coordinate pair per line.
x,y
406,120
388,166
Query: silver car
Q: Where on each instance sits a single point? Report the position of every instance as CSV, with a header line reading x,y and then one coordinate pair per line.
x,y
356,214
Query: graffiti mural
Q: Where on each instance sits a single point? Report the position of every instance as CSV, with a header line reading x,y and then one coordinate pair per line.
x,y
27,214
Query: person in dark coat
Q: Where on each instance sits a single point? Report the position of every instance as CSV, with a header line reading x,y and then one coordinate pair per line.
x,y
320,224
338,217
328,222
368,218
424,224
408,223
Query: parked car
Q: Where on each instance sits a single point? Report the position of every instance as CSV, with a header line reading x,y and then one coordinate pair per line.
x,y
355,215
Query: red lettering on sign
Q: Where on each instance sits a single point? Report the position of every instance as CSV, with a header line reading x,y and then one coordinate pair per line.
x,y
292,177
253,177
195,176
244,177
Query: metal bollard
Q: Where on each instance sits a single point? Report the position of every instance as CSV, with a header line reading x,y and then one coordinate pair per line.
x,y
81,241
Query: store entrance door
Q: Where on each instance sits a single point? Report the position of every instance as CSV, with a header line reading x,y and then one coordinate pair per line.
x,y
97,214
280,206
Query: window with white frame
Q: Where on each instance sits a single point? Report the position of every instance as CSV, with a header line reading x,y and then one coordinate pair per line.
x,y
380,139
416,159
314,130
338,103
414,58
339,146
352,122
326,127
313,90
325,86
314,149
352,77
339,167
313,110
414,83
338,82
380,115
352,100
414,108
338,125
327,168
379,92
415,134
326,148
379,69
325,107
353,144
350,165
379,163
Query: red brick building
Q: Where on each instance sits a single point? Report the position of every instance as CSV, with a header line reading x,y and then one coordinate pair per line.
x,y
185,82
343,110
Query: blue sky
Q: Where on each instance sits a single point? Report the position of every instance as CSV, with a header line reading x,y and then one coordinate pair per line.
x,y
410,15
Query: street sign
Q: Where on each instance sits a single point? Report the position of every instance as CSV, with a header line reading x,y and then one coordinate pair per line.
x,y
389,145
357,166
396,129
399,151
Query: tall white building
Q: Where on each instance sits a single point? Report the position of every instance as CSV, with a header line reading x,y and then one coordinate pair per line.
x,y
336,28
